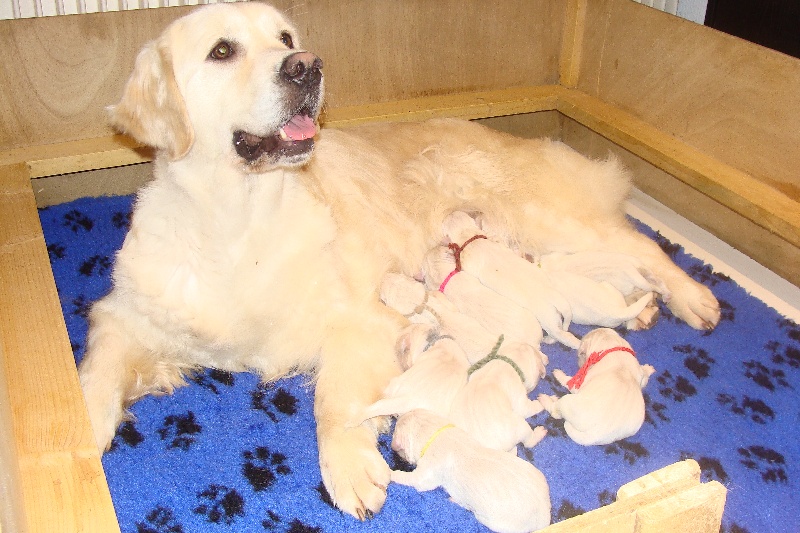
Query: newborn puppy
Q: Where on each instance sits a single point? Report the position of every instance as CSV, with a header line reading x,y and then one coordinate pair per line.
x,y
409,297
626,273
494,405
507,494
500,269
596,303
435,371
606,402
496,313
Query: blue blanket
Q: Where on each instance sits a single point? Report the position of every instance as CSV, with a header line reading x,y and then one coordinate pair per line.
x,y
230,454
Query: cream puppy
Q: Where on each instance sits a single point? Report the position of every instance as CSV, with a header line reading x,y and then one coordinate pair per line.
x,y
624,272
494,404
596,303
408,297
435,371
606,403
496,313
504,271
507,494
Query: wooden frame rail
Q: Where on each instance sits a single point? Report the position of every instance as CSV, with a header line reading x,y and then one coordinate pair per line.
x,y
755,200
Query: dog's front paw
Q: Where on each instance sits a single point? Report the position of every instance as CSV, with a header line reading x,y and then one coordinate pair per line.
x,y
354,472
695,304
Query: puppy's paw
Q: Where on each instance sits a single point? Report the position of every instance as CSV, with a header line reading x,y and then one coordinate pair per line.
x,y
695,304
646,319
548,402
535,437
354,472
561,377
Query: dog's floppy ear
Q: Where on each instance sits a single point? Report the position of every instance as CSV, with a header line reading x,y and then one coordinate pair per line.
x,y
152,109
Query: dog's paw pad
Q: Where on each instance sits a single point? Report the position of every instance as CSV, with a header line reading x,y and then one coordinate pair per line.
x,y
354,472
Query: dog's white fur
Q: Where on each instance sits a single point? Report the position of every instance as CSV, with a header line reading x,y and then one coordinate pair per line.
x,y
494,405
609,405
435,372
273,265
500,269
506,493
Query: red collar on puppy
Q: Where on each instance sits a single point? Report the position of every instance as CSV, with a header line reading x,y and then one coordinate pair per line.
x,y
594,358
457,255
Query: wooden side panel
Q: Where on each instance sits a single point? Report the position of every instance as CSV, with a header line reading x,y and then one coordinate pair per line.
x,y
745,235
59,73
61,484
729,98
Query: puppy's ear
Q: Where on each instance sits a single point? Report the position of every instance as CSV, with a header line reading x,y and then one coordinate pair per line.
x,y
152,109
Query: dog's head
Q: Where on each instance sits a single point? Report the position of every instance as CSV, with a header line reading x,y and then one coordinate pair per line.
x,y
227,80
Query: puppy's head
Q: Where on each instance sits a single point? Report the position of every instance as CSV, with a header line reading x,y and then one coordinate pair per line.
x,y
228,81
411,432
598,340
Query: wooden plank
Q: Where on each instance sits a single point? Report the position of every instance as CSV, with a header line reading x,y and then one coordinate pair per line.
x,y
58,74
670,499
468,105
739,191
62,486
572,45
730,99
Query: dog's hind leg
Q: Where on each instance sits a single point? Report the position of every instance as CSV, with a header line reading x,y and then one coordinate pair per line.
x,y
116,371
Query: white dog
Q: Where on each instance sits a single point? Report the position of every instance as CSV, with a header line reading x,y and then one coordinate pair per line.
x,y
436,369
499,268
507,494
247,252
606,402
494,404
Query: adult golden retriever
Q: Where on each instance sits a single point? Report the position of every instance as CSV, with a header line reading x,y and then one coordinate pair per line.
x,y
260,245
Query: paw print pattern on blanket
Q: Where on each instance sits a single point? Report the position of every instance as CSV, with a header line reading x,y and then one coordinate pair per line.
x,y
160,520
698,360
223,505
768,462
97,265
212,377
179,430
673,387
77,221
282,401
753,408
630,451
262,467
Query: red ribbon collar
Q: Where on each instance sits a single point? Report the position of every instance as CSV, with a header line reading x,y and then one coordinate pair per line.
x,y
457,255
594,358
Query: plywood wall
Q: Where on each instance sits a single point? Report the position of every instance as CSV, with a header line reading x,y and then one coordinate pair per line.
x,y
63,71
729,98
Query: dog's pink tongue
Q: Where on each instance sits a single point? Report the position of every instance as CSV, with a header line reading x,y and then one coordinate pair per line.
x,y
300,127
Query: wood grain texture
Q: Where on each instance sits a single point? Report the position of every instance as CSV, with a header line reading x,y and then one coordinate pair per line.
x,y
753,240
733,100
59,73
61,485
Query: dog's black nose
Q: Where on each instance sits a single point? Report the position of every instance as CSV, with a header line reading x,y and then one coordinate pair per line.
x,y
302,68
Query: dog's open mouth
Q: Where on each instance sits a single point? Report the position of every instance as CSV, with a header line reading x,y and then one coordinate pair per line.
x,y
292,141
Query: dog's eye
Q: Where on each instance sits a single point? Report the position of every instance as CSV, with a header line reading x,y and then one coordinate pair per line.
x,y
222,50
286,39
